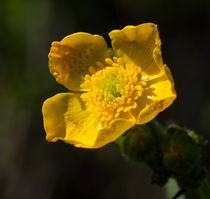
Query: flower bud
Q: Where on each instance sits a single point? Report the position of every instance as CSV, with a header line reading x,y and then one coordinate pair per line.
x,y
181,154
141,144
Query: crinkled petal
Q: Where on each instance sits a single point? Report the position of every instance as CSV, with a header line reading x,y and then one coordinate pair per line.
x,y
139,45
66,118
70,58
158,95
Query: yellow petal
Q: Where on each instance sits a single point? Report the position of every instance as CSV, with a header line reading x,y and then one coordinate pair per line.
x,y
70,58
110,133
139,45
158,95
66,118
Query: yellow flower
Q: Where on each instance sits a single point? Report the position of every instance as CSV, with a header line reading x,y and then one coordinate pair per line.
x,y
118,87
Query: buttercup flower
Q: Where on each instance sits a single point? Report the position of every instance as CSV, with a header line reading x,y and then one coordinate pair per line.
x,y
118,87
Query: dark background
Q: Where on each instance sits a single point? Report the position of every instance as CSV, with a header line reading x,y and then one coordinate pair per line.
x,y
32,168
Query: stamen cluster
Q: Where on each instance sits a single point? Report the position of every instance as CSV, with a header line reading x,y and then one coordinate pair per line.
x,y
112,89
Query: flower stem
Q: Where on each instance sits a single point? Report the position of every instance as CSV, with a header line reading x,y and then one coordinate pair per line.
x,y
181,192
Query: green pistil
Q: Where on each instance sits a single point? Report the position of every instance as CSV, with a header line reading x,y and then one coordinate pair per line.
x,y
109,85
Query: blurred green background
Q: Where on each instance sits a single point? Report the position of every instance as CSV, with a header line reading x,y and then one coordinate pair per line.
x,y
32,168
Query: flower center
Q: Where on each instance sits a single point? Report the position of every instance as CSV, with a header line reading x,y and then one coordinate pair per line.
x,y
109,85
113,89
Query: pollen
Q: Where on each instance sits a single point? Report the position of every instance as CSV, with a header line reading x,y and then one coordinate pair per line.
x,y
113,90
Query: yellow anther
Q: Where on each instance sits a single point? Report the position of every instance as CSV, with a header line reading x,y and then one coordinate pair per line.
x,y
116,65
119,109
138,87
120,61
54,55
109,61
116,115
87,77
99,64
129,101
143,83
91,69
55,74
109,117
139,93
115,59
135,105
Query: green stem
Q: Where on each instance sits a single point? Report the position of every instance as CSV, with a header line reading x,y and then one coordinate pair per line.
x,y
203,192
